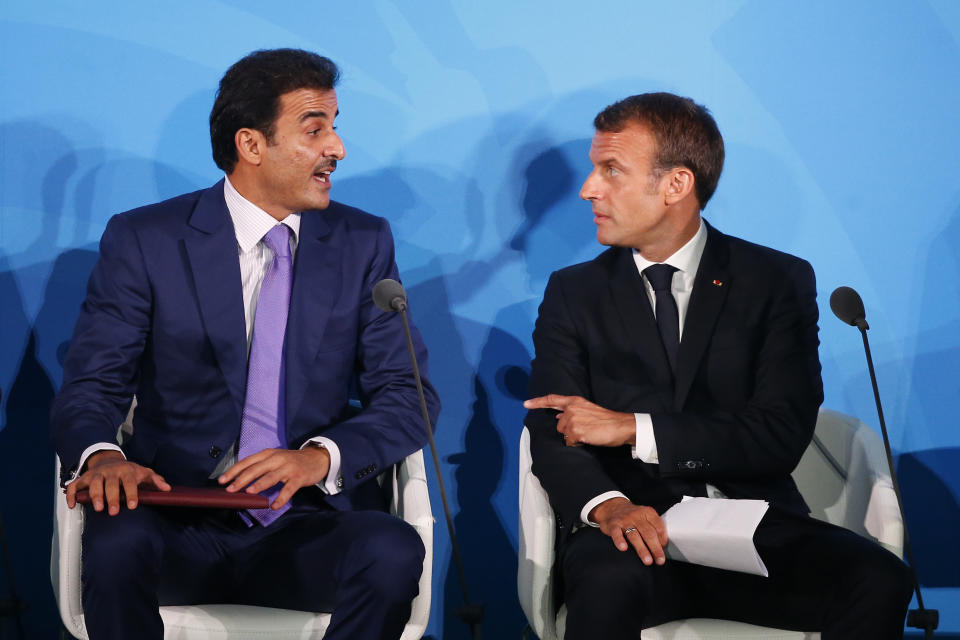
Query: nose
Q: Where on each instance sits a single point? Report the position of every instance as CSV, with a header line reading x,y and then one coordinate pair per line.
x,y
589,190
334,147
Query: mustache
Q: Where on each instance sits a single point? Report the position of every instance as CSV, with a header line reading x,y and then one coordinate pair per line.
x,y
329,165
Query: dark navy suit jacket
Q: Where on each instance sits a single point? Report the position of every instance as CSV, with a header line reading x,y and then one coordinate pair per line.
x,y
740,409
164,319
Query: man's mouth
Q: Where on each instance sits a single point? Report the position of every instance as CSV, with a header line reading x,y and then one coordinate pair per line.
x,y
323,176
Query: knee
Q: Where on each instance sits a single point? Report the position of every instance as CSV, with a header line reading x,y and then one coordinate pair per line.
x,y
886,580
393,549
117,547
597,567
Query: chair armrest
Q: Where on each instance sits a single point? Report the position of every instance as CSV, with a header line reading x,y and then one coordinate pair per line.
x,y
65,559
411,502
536,548
882,519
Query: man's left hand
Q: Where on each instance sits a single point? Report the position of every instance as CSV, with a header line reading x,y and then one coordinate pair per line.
x,y
295,469
583,422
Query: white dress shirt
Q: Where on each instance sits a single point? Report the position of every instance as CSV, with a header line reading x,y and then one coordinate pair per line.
x,y
251,224
686,260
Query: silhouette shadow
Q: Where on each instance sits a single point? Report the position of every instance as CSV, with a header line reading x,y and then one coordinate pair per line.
x,y
62,196
927,481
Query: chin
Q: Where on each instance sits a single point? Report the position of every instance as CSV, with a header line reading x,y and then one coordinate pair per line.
x,y
316,203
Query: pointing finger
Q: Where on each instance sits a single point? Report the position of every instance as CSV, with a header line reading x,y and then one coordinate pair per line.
x,y
551,401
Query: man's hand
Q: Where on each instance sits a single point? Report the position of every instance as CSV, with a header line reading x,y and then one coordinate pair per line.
x,y
630,525
583,422
295,469
108,471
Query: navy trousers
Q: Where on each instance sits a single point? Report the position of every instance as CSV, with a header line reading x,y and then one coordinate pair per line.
x,y
363,566
822,578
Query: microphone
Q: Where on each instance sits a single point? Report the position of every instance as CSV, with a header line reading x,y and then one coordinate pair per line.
x,y
389,295
848,306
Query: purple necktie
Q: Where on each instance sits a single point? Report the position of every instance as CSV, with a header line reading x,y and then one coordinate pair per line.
x,y
263,410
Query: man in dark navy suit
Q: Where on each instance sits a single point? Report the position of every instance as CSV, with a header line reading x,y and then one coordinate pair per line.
x,y
240,317
682,361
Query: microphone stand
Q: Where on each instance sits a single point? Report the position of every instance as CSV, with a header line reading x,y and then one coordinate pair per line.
x,y
470,613
920,618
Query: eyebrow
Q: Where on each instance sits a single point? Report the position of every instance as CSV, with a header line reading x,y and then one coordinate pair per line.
x,y
317,114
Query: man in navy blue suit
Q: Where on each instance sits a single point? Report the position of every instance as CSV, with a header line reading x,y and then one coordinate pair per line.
x,y
240,317
682,361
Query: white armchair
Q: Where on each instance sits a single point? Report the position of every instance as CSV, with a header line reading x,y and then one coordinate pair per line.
x,y
843,476
411,502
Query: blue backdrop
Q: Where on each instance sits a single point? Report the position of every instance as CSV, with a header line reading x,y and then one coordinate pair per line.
x,y
467,125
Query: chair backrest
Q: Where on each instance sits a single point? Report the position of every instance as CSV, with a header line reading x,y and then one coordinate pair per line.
x,y
843,477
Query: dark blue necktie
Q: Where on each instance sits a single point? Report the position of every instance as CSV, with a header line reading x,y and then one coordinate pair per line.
x,y
668,318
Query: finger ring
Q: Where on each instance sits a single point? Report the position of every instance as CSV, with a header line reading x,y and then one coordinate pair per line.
x,y
626,531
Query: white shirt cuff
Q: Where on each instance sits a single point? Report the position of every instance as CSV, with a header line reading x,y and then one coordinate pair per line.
x,y
645,448
603,497
89,451
333,483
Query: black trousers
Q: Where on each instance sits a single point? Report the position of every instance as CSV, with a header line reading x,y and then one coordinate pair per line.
x,y
363,566
822,578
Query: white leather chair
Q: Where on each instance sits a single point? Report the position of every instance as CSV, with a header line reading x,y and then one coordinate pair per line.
x,y
411,502
843,476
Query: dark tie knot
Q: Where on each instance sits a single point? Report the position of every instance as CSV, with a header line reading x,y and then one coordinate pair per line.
x,y
278,239
660,276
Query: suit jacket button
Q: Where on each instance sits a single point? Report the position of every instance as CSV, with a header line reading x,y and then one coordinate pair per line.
x,y
215,452
340,482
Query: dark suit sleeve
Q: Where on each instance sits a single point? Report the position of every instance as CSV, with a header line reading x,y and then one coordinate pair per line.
x,y
571,476
100,371
390,426
767,436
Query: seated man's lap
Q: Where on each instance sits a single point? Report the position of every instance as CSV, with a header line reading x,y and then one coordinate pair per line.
x,y
193,556
816,570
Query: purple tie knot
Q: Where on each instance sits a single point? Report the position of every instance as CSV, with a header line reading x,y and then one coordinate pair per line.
x,y
278,239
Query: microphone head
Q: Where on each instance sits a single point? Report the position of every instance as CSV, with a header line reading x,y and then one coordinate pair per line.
x,y
848,306
389,295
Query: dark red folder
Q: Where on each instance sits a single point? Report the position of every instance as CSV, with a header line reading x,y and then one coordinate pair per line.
x,y
210,497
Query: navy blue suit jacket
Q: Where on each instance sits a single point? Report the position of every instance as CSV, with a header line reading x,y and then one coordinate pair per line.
x,y
740,409
164,319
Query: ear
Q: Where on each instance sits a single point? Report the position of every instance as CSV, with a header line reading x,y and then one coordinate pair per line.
x,y
679,185
250,145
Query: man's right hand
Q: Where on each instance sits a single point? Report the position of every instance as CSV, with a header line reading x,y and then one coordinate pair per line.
x,y
108,471
629,525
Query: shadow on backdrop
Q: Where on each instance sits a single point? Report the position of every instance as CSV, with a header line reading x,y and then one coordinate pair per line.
x,y
67,195
933,513
930,478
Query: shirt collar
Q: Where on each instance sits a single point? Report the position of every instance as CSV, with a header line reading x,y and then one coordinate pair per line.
x,y
250,222
686,259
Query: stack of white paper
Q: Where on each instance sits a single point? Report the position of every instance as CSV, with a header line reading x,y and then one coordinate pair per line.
x,y
716,532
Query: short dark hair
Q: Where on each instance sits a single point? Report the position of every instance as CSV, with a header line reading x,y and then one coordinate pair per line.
x,y
686,135
250,90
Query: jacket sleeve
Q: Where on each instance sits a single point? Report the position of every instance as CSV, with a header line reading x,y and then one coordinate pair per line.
x,y
100,370
390,425
571,476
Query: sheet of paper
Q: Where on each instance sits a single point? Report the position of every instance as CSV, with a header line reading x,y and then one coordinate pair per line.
x,y
716,532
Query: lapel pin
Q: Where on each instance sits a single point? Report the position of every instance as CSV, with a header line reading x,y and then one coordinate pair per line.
x,y
717,283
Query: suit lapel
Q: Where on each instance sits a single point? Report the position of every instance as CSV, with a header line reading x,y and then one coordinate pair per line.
x,y
710,288
633,305
211,246
316,289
